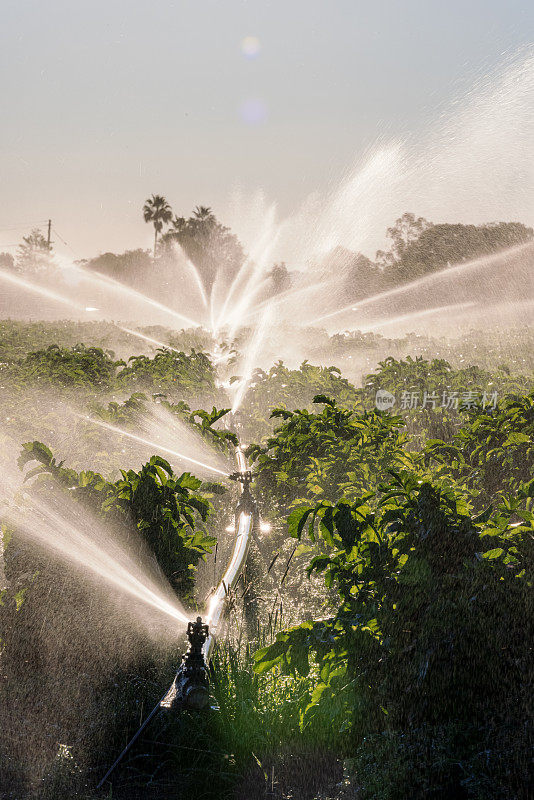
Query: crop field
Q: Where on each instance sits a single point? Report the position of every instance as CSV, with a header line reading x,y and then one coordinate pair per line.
x,y
267,467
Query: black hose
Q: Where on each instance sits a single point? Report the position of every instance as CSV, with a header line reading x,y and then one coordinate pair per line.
x,y
132,740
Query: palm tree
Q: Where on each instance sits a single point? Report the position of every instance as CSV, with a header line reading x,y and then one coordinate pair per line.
x,y
157,211
202,212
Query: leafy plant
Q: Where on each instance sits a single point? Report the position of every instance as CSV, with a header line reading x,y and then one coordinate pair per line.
x,y
286,388
189,375
168,510
78,366
492,452
327,453
421,584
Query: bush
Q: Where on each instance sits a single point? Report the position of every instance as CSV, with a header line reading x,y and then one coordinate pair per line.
x,y
78,366
430,629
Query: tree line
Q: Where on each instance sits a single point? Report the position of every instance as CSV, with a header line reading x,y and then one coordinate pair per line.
x,y
416,247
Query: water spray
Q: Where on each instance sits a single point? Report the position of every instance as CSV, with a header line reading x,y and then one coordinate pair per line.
x,y
29,286
429,279
149,443
107,282
190,687
149,339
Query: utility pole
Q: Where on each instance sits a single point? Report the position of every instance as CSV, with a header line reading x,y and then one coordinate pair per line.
x,y
48,241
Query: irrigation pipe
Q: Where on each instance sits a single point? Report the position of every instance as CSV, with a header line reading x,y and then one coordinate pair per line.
x,y
246,516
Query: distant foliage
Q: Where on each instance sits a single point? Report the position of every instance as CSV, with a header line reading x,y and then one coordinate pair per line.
x,y
406,230
123,266
59,366
419,247
157,211
286,388
34,254
444,245
168,370
7,261
209,245
501,352
280,277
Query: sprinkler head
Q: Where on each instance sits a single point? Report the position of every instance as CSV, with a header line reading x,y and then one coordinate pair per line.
x,y
192,679
197,633
242,477
246,502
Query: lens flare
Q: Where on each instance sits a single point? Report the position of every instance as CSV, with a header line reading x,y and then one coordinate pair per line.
x,y
250,47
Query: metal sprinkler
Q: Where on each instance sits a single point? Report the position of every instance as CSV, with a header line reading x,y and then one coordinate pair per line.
x,y
189,690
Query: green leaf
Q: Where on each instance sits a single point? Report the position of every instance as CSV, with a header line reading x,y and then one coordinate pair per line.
x,y
319,563
322,398
297,520
303,549
491,554
517,438
213,488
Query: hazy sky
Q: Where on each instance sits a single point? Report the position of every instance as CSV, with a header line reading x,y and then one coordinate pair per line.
x,y
104,103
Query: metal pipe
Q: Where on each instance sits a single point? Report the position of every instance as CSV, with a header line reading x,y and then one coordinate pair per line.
x,y
245,518
200,635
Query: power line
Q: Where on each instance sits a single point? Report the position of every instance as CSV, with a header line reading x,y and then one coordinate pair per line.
x,y
60,237
24,225
47,222
64,242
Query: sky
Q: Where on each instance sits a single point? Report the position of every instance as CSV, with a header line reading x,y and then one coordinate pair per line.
x,y
106,102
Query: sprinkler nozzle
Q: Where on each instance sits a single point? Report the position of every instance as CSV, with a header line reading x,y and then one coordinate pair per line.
x,y
197,633
192,682
246,502
242,477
